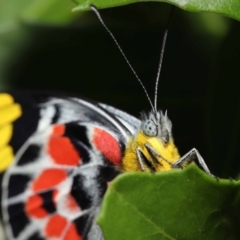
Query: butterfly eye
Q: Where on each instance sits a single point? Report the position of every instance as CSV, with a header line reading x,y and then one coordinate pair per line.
x,y
149,128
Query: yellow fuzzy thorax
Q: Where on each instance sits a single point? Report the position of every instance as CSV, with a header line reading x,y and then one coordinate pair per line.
x,y
169,151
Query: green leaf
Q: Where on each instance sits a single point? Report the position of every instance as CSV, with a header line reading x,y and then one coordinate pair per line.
x,y
225,7
180,204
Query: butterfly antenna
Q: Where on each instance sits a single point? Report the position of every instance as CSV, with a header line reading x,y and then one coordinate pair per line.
x,y
161,60
121,51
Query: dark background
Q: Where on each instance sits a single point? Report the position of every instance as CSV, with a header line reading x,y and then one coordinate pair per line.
x,y
199,83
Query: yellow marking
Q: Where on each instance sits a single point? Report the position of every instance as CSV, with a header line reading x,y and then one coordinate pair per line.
x,y
5,99
130,162
10,113
6,158
6,132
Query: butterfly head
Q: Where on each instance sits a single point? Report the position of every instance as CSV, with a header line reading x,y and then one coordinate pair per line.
x,y
157,125
152,149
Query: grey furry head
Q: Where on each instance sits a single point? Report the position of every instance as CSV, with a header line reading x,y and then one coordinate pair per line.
x,y
157,124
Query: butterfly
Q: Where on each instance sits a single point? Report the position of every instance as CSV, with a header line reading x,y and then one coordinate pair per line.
x,y
59,152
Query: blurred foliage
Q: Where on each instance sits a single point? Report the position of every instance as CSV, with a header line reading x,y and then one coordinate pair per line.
x,y
41,11
14,18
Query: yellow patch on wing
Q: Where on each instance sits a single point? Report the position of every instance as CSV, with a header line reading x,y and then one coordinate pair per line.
x,y
9,112
5,99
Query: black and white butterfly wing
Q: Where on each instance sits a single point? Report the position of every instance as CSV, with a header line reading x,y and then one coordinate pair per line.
x,y
66,150
131,123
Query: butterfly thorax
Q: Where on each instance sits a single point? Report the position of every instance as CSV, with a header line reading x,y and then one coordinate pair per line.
x,y
152,149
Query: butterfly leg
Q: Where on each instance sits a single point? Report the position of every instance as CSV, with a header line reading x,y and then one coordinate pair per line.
x,y
143,161
140,159
189,157
153,153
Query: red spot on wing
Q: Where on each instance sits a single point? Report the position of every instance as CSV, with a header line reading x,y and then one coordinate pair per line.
x,y
55,226
58,130
48,179
66,202
62,151
34,208
71,204
72,233
107,145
